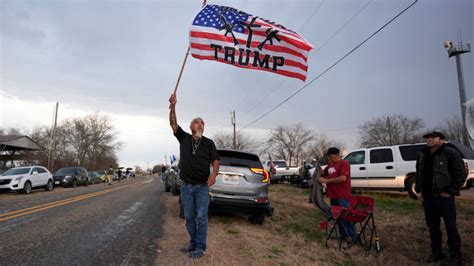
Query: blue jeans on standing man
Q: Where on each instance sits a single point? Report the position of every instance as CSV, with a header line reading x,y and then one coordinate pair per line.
x,y
195,203
346,229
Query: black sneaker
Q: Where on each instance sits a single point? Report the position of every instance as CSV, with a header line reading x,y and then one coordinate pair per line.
x,y
196,254
455,259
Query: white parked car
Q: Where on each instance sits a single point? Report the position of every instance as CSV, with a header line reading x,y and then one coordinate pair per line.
x,y
394,167
24,179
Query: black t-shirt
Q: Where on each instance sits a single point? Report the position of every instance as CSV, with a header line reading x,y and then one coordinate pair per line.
x,y
428,171
195,168
428,175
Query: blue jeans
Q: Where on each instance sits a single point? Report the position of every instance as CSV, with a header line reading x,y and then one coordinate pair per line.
x,y
195,203
346,229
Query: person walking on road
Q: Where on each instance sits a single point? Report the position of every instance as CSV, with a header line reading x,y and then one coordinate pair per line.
x,y
197,155
440,174
110,175
337,176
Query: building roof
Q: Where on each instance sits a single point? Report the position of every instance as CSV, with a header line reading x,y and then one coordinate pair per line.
x,y
18,143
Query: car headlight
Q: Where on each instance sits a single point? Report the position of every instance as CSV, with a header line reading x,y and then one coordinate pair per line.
x,y
19,178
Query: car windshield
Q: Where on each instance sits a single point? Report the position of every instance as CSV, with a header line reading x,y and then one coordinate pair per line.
x,y
66,171
232,158
17,171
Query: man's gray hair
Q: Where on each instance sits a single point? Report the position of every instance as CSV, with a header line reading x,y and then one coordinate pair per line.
x,y
195,120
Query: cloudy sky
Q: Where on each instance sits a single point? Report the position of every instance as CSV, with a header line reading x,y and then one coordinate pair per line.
x,y
122,58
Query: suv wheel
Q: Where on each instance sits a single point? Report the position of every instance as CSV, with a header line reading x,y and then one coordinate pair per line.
x,y
87,182
257,218
27,188
74,183
410,187
49,186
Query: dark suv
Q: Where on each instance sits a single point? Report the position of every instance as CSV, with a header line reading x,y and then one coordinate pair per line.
x,y
71,176
241,186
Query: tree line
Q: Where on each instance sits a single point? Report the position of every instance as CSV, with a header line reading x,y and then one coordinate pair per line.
x,y
89,141
297,143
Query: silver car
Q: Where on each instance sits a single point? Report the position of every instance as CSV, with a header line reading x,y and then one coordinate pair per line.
x,y
241,186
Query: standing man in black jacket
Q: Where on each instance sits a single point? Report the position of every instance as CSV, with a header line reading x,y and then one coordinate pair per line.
x,y
440,174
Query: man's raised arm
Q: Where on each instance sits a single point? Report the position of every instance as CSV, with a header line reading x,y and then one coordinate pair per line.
x,y
173,121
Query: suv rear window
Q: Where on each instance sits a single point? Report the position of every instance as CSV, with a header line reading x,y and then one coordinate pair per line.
x,y
410,152
233,158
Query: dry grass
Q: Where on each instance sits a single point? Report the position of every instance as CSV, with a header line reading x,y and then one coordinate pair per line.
x,y
292,236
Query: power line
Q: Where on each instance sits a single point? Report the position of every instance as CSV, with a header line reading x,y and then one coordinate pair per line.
x,y
301,28
330,67
312,15
343,26
313,52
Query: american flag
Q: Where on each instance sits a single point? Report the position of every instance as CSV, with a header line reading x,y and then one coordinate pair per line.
x,y
234,37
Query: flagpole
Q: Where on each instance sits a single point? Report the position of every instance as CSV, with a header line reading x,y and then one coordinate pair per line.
x,y
204,2
182,69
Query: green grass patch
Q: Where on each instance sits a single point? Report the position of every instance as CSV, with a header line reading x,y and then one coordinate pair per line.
x,y
396,203
277,250
233,231
310,232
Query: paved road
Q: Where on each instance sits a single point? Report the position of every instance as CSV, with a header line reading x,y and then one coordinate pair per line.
x,y
94,225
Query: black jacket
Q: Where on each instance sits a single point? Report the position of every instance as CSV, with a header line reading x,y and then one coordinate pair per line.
x,y
448,171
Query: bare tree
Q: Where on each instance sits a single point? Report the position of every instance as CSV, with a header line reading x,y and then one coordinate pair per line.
x,y
244,141
390,130
92,141
318,147
453,130
289,143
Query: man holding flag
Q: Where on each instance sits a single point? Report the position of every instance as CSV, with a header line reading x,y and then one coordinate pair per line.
x,y
197,154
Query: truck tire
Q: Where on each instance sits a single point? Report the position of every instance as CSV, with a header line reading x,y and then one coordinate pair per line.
x,y
410,187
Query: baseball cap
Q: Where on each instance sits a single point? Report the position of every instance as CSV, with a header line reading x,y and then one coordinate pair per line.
x,y
333,150
434,134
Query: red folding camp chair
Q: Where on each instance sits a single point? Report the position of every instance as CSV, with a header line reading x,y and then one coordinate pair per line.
x,y
359,212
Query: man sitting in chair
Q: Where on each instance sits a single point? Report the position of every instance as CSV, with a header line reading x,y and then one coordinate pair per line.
x,y
337,176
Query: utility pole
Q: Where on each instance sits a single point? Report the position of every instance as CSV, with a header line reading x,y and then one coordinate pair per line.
x,y
457,51
53,139
232,120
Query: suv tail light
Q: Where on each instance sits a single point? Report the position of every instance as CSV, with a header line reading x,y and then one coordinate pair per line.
x,y
261,171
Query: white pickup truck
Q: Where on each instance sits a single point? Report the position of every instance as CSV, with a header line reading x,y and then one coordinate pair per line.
x,y
394,167
282,170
